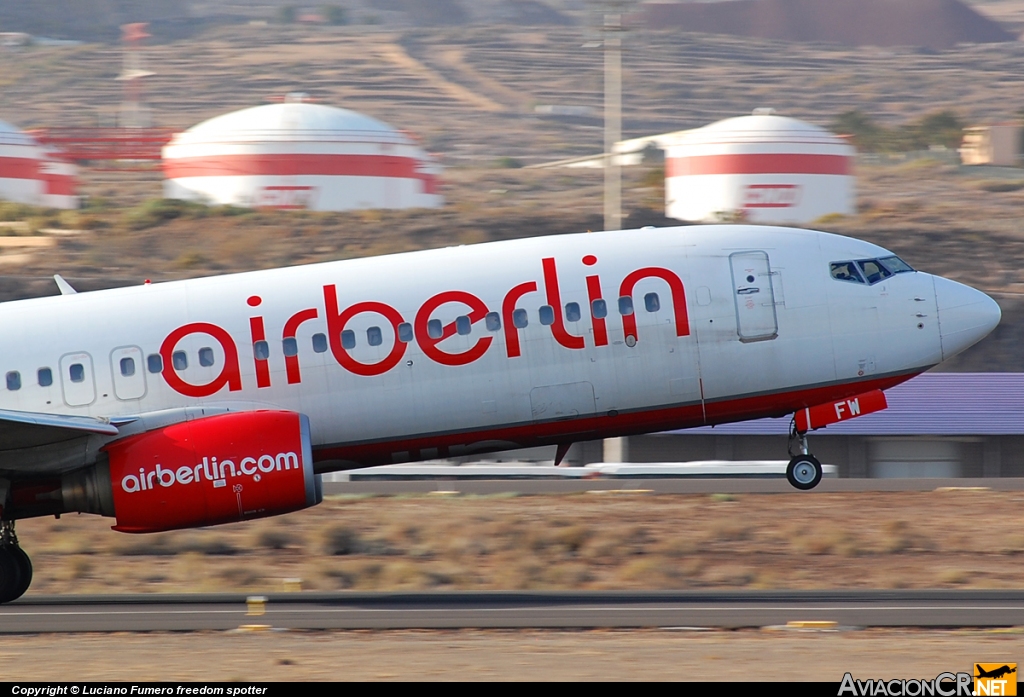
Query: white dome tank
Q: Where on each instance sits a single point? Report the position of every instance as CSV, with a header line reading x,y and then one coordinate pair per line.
x,y
31,174
299,155
761,168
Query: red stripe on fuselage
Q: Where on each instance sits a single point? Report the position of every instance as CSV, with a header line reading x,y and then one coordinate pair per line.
x,y
758,163
604,426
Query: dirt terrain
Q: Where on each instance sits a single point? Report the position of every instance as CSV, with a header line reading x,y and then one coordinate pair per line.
x,y
610,540
749,655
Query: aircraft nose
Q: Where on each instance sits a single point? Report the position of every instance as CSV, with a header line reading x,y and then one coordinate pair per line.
x,y
966,315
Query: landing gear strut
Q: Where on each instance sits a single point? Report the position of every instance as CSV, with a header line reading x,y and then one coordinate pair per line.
x,y
804,470
15,566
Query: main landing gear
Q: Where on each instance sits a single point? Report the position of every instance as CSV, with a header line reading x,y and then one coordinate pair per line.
x,y
804,470
15,566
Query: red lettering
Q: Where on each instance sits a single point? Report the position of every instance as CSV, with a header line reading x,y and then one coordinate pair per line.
x,y
429,345
508,307
555,301
336,322
678,298
229,374
291,327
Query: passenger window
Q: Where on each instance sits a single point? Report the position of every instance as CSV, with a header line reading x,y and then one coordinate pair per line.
x,y
519,319
599,308
846,271
154,362
206,357
127,366
14,380
547,315
405,332
290,347
493,321
76,371
873,270
434,329
625,305
572,312
261,350
179,360
45,376
463,326
374,336
348,339
320,343
651,302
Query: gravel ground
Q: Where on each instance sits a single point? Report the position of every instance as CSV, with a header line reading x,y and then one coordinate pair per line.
x,y
503,655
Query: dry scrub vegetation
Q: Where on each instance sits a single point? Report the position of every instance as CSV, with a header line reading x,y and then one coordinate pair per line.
x,y
966,539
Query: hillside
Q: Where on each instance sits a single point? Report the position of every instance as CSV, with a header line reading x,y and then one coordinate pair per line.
x,y
935,24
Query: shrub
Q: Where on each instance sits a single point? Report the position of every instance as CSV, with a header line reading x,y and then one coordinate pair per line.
x,y
275,539
157,211
341,540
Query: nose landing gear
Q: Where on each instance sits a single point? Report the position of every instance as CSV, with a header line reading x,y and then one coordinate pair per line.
x,y
15,566
804,470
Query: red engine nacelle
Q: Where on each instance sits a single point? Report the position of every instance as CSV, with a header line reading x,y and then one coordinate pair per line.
x,y
218,469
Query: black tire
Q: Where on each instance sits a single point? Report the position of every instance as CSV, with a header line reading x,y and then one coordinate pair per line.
x,y
804,472
25,568
10,575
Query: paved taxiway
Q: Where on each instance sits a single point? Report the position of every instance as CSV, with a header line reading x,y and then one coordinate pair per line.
x,y
566,610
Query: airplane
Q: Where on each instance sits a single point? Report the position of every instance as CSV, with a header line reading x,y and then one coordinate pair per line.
x,y
995,673
211,400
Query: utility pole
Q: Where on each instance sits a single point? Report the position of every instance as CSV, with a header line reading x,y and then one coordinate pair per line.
x,y
612,115
615,449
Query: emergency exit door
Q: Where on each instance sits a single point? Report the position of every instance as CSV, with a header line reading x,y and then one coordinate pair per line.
x,y
754,297
76,379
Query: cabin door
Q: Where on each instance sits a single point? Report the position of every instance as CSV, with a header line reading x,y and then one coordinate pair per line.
x,y
753,296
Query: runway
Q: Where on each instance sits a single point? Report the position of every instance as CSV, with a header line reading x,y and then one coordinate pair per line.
x,y
691,485
512,610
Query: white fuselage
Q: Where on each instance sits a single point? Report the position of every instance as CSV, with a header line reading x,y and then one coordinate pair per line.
x,y
731,322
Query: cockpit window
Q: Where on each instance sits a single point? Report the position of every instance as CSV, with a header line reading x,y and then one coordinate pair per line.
x,y
846,271
868,271
896,265
873,270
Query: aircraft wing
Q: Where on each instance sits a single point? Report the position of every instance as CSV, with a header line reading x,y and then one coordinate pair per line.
x,y
24,429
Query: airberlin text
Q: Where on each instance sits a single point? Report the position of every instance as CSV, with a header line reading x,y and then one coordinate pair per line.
x,y
942,685
423,328
212,469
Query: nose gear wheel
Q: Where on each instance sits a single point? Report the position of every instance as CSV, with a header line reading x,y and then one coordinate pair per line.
x,y
804,470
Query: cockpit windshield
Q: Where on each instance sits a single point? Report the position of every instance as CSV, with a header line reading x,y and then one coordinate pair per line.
x,y
868,271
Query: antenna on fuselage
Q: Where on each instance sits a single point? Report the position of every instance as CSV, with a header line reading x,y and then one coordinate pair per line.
x,y
65,287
